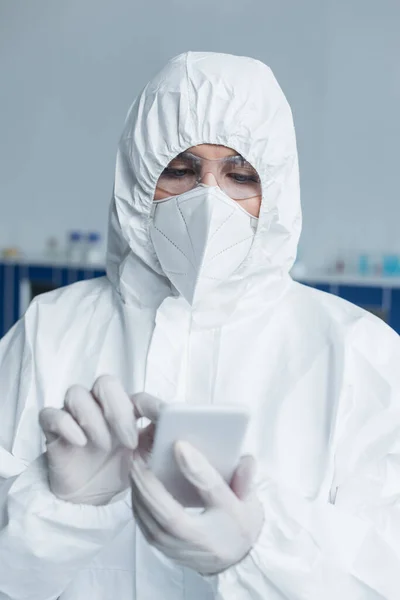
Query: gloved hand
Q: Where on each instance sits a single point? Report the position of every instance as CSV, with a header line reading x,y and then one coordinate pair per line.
x,y
90,442
213,540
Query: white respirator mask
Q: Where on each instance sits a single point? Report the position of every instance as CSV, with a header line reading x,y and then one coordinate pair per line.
x,y
200,237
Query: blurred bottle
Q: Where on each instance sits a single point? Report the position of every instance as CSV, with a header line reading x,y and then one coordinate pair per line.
x,y
94,254
11,253
390,265
339,267
75,247
52,252
364,265
376,265
345,262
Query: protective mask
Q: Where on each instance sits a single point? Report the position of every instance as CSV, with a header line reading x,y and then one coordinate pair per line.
x,y
200,237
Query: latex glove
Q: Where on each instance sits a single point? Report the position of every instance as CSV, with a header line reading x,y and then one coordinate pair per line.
x,y
208,542
90,442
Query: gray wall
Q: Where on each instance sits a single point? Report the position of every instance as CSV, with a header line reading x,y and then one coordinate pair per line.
x,y
69,71
360,206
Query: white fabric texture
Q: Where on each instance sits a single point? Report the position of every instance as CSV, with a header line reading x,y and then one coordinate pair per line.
x,y
320,375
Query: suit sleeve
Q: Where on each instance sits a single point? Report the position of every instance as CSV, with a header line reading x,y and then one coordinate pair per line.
x,y
43,540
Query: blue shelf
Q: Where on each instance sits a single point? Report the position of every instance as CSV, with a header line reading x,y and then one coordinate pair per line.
x,y
40,278
362,295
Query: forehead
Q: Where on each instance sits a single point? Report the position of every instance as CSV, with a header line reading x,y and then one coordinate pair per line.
x,y
212,151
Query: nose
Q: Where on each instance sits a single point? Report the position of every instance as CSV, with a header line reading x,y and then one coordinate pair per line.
x,y
209,179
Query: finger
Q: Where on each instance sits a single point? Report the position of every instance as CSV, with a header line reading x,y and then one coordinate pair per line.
x,y
212,488
80,403
153,496
57,423
147,406
152,531
242,479
117,409
159,529
170,546
187,552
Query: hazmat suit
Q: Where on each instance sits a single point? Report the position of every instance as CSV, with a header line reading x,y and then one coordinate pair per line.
x,y
320,376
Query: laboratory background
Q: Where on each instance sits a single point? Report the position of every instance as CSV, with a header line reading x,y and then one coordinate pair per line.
x,y
70,70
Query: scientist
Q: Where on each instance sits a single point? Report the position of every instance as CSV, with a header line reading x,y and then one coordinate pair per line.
x,y
198,306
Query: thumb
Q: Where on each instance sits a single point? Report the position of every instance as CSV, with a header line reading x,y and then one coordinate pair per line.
x,y
146,405
243,477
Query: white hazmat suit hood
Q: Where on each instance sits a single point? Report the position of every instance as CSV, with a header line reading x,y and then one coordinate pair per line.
x,y
320,376
216,99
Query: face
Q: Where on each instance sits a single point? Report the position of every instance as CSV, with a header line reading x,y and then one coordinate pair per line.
x,y
237,172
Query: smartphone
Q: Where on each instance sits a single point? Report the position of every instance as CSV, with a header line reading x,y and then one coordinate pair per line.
x,y
216,431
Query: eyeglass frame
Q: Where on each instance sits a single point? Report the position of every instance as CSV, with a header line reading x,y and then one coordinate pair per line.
x,y
199,176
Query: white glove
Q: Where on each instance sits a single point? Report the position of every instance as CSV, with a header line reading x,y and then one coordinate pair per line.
x,y
90,442
209,542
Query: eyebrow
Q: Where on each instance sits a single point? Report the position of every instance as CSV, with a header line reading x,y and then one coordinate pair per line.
x,y
234,158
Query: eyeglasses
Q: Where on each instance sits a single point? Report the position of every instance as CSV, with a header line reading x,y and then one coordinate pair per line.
x,y
233,174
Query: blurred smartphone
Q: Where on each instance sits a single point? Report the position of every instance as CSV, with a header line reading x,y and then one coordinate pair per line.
x,y
216,431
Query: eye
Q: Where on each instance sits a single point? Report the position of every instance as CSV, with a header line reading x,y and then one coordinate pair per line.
x,y
176,173
244,178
